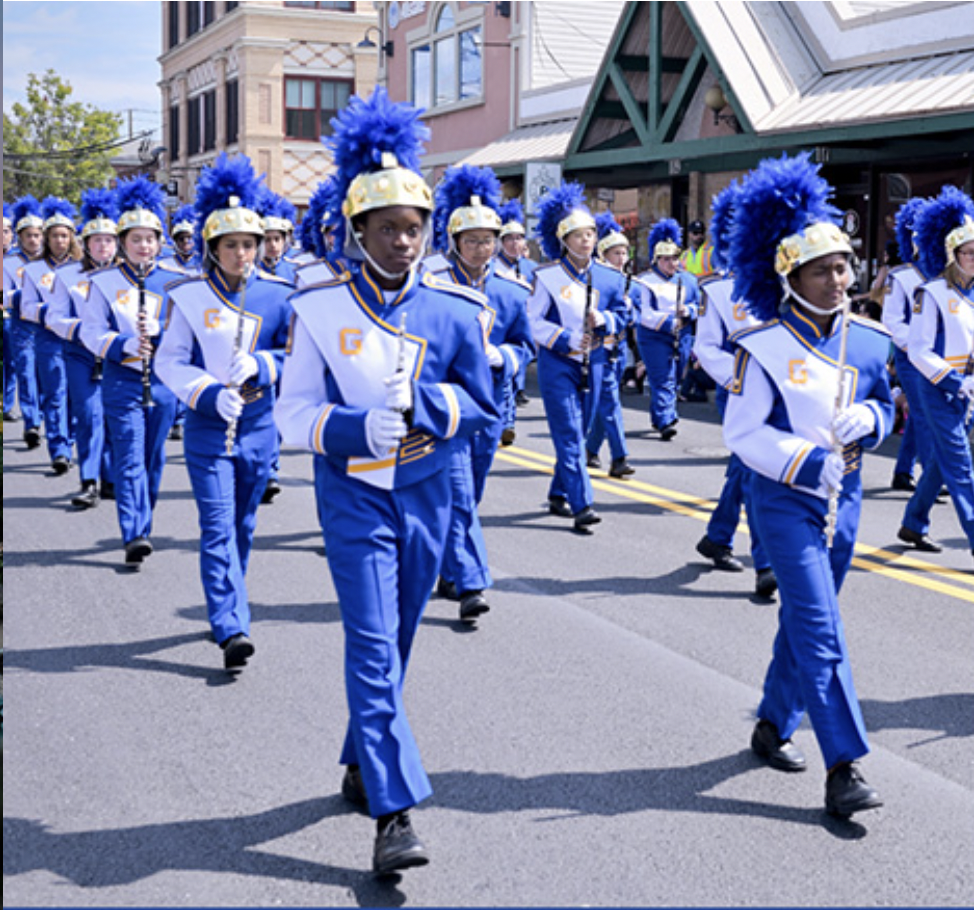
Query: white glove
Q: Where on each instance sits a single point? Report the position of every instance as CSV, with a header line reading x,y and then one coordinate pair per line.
x,y
229,404
399,391
833,469
597,318
383,430
242,367
966,389
494,356
853,423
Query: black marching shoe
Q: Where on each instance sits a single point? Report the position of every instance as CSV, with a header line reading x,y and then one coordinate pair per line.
x,y
61,465
32,437
558,505
137,550
919,541
620,467
668,432
353,788
107,491
271,491
87,497
722,557
396,845
592,460
522,400
766,583
237,650
508,436
472,605
903,482
585,519
779,753
447,589
846,791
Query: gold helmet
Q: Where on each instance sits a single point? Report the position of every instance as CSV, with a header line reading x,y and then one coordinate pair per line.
x,y
392,185
816,240
578,218
474,216
235,219
958,237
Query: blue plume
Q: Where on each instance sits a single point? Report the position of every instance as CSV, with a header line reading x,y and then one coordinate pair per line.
x,y
665,229
780,197
906,218
24,207
512,210
273,205
225,179
53,205
458,186
605,224
555,206
141,193
315,218
934,222
98,204
362,131
722,222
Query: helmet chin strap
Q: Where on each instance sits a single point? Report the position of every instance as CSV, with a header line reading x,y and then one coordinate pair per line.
x,y
817,310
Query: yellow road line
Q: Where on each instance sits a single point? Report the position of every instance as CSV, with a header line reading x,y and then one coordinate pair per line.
x,y
897,566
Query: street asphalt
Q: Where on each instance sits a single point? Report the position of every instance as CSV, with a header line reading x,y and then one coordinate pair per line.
x,y
587,741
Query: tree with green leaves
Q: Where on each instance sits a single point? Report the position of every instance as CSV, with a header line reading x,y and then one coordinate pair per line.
x,y
54,145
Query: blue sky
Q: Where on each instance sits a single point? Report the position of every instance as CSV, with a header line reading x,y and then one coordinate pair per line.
x,y
107,51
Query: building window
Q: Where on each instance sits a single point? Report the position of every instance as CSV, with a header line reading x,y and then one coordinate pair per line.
x,y
450,67
192,19
209,121
209,14
231,5
173,10
194,120
309,105
346,7
174,132
233,112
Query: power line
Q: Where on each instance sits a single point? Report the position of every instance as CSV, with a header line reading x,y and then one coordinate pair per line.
x,y
77,153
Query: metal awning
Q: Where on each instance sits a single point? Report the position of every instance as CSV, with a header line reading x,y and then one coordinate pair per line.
x,y
538,142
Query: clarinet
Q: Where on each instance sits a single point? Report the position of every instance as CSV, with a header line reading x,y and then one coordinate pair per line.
x,y
584,384
97,370
237,345
147,401
677,320
831,517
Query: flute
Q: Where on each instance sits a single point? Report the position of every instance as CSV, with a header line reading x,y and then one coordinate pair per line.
x,y
585,382
231,437
147,401
831,517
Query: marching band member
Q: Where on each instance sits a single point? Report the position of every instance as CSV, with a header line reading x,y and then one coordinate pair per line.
x,y
899,292
387,366
184,257
607,420
466,224
666,300
9,374
29,229
121,325
61,253
221,355
278,217
576,302
99,242
720,317
513,255
940,346
809,383
315,228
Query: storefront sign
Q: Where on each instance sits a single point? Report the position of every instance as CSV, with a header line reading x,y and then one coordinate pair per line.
x,y
539,178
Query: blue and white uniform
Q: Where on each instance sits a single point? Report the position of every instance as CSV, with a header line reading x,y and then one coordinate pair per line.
x,y
137,434
556,310
52,380
718,319
23,337
664,349
85,406
385,515
193,360
508,330
778,422
940,346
